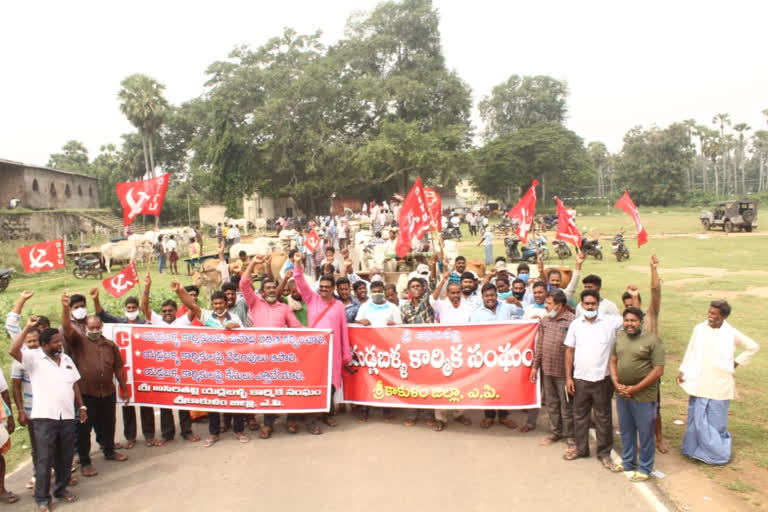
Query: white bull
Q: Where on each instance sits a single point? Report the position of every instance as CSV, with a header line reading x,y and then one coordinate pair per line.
x,y
258,247
242,224
261,226
125,250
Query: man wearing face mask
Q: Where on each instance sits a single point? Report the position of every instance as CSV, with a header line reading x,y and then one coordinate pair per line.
x,y
494,311
55,378
99,362
549,357
706,374
264,310
129,411
377,312
637,363
589,342
606,307
169,317
78,312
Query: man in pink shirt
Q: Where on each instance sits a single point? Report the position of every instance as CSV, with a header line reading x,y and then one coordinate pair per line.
x,y
325,312
264,310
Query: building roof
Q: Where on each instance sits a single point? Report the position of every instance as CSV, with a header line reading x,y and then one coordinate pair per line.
x,y
21,164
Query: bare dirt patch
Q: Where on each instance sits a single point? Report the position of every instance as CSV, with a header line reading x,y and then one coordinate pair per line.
x,y
707,274
761,291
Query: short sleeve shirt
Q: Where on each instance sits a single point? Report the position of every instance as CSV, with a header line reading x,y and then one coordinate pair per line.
x,y
52,384
18,372
180,321
592,343
635,359
209,319
379,314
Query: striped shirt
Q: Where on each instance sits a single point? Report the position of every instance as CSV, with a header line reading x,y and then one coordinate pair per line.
x,y
549,354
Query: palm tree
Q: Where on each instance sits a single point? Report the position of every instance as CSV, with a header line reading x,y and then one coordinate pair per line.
x,y
143,104
702,132
740,129
690,125
760,147
723,119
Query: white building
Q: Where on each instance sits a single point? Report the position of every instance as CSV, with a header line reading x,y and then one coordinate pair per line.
x,y
256,206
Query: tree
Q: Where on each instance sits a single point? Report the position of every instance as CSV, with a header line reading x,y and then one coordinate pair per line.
x,y
73,157
546,151
760,148
722,119
142,102
740,128
601,162
652,164
522,101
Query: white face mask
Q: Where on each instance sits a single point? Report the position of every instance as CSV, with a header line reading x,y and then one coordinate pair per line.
x,y
131,315
552,314
590,313
79,313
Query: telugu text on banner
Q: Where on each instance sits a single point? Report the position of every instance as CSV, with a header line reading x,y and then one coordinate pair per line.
x,y
480,366
241,370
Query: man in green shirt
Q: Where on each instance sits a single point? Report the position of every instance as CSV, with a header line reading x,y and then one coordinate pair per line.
x,y
290,295
637,363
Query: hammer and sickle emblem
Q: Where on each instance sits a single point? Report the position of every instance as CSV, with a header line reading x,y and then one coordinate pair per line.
x,y
136,206
35,261
119,284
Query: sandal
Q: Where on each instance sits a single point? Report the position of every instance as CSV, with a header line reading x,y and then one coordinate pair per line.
x,y
88,471
438,425
388,418
242,437
68,497
159,442
486,423
126,445
73,481
570,444
120,446
150,442
463,420
291,427
409,422
253,425
329,420
638,477
611,466
362,417
314,429
265,432
508,423
192,437
9,498
549,440
210,441
571,455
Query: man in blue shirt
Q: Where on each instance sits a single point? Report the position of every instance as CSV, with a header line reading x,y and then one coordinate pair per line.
x,y
494,311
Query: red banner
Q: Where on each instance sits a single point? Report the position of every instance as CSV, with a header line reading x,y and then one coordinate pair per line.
x,y
240,370
567,231
142,197
312,241
435,208
626,204
413,220
120,284
473,366
43,256
523,211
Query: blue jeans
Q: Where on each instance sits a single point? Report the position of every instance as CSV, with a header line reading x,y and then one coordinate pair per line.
x,y
160,262
637,418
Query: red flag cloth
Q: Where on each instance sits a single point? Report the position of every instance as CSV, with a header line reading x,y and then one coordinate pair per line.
x,y
43,256
413,219
567,231
626,204
435,208
142,197
523,211
312,241
119,284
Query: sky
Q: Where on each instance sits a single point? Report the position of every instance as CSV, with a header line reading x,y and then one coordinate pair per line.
x,y
626,63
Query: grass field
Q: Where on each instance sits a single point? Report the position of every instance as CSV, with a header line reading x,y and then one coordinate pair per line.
x,y
694,271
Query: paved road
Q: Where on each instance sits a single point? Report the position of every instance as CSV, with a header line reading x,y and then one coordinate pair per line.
x,y
371,467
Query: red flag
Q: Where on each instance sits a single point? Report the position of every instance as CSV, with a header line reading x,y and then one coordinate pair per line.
x,y
413,219
435,208
119,284
523,212
312,241
567,231
626,204
43,256
144,196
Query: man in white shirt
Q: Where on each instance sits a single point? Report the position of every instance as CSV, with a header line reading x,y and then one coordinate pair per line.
x,y
706,374
593,282
451,311
54,378
538,309
588,344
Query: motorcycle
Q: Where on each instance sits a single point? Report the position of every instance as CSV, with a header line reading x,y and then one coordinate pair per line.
x,y
540,244
87,266
5,278
591,248
561,249
451,232
619,248
513,253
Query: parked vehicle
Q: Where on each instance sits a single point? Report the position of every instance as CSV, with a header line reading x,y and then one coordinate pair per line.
x,y
738,214
619,248
540,243
451,233
561,249
513,251
5,278
591,248
87,266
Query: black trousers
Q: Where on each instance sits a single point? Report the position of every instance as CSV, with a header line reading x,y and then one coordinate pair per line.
x,y
101,410
593,396
491,413
54,442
